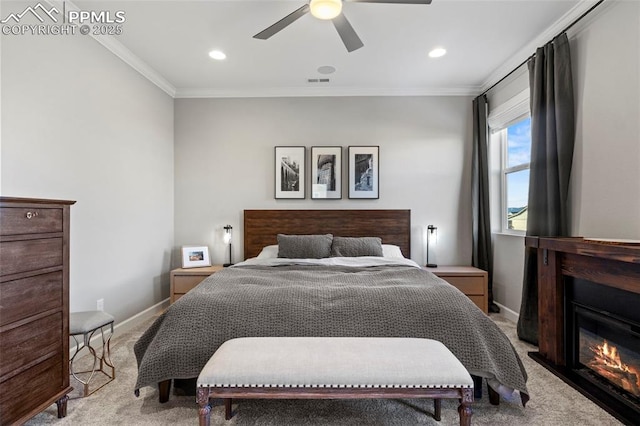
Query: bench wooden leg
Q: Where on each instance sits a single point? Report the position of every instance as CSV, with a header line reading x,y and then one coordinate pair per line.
x,y
464,409
164,389
227,409
204,412
437,409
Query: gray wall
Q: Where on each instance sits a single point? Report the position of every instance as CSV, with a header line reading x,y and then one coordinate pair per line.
x,y
606,170
605,181
79,124
224,156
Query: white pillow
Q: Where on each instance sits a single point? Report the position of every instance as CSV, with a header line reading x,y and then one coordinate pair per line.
x,y
390,250
269,252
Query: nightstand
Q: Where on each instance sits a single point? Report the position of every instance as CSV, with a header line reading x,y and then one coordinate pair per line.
x,y
183,280
473,282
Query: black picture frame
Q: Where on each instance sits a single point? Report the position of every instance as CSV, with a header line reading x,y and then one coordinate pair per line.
x,y
326,172
290,172
364,172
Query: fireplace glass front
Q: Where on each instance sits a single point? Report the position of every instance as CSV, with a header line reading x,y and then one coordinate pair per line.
x,y
607,352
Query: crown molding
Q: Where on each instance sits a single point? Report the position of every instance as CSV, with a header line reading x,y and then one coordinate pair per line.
x,y
118,49
285,92
114,46
126,55
542,39
585,22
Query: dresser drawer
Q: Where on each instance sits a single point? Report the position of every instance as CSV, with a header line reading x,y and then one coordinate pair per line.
x,y
185,280
30,388
185,283
22,220
478,300
30,296
24,345
30,255
467,285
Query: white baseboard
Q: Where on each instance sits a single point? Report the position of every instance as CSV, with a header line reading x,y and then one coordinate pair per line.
x,y
130,323
508,313
124,326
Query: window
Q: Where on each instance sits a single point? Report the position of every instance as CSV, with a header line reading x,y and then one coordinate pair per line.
x,y
516,157
510,158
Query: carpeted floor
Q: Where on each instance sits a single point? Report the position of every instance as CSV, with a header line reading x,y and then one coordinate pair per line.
x,y
552,403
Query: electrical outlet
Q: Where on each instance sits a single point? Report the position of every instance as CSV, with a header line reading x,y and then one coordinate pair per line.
x,y
100,304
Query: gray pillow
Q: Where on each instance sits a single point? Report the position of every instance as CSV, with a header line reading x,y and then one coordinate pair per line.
x,y
304,246
354,247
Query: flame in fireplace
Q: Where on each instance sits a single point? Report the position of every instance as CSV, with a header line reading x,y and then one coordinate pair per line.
x,y
608,355
606,361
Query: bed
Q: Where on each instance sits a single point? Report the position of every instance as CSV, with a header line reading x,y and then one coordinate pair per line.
x,y
347,296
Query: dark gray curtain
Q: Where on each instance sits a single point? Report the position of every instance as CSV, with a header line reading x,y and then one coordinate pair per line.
x,y
552,140
482,255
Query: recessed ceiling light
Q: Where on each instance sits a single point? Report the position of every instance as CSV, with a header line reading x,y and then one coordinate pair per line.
x,y
217,54
438,52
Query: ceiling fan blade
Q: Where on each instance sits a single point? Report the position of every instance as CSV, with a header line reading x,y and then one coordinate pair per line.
x,y
283,23
347,33
393,1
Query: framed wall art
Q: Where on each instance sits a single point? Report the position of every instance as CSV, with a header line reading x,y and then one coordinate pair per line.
x,y
290,172
195,256
363,172
326,172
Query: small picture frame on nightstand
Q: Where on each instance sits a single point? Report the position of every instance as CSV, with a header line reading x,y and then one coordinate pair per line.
x,y
195,256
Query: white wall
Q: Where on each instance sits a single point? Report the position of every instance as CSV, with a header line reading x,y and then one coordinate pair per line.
x,y
79,124
224,156
606,170
605,181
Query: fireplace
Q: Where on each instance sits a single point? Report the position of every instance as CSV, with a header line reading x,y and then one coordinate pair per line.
x,y
603,338
589,319
610,362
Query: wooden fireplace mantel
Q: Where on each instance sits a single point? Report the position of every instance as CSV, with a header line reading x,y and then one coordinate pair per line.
x,y
611,264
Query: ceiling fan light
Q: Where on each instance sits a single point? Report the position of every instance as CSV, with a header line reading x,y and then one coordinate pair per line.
x,y
325,9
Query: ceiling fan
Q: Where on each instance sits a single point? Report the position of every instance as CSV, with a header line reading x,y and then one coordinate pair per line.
x,y
329,9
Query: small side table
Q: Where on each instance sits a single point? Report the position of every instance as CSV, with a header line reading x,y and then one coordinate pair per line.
x,y
183,280
473,282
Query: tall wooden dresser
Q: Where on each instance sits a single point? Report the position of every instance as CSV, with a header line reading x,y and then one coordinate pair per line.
x,y
34,307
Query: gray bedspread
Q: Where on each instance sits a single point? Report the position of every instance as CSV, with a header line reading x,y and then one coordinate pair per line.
x,y
384,301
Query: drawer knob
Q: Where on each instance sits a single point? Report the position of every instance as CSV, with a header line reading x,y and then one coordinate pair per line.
x,y
31,215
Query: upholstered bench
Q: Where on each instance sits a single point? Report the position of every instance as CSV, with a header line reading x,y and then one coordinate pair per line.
x,y
333,368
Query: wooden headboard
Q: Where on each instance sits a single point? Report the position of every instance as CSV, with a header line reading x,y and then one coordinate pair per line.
x,y
261,227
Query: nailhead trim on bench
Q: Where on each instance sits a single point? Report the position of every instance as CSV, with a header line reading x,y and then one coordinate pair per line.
x,y
333,386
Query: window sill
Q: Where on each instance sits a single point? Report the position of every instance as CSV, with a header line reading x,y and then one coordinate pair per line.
x,y
510,234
